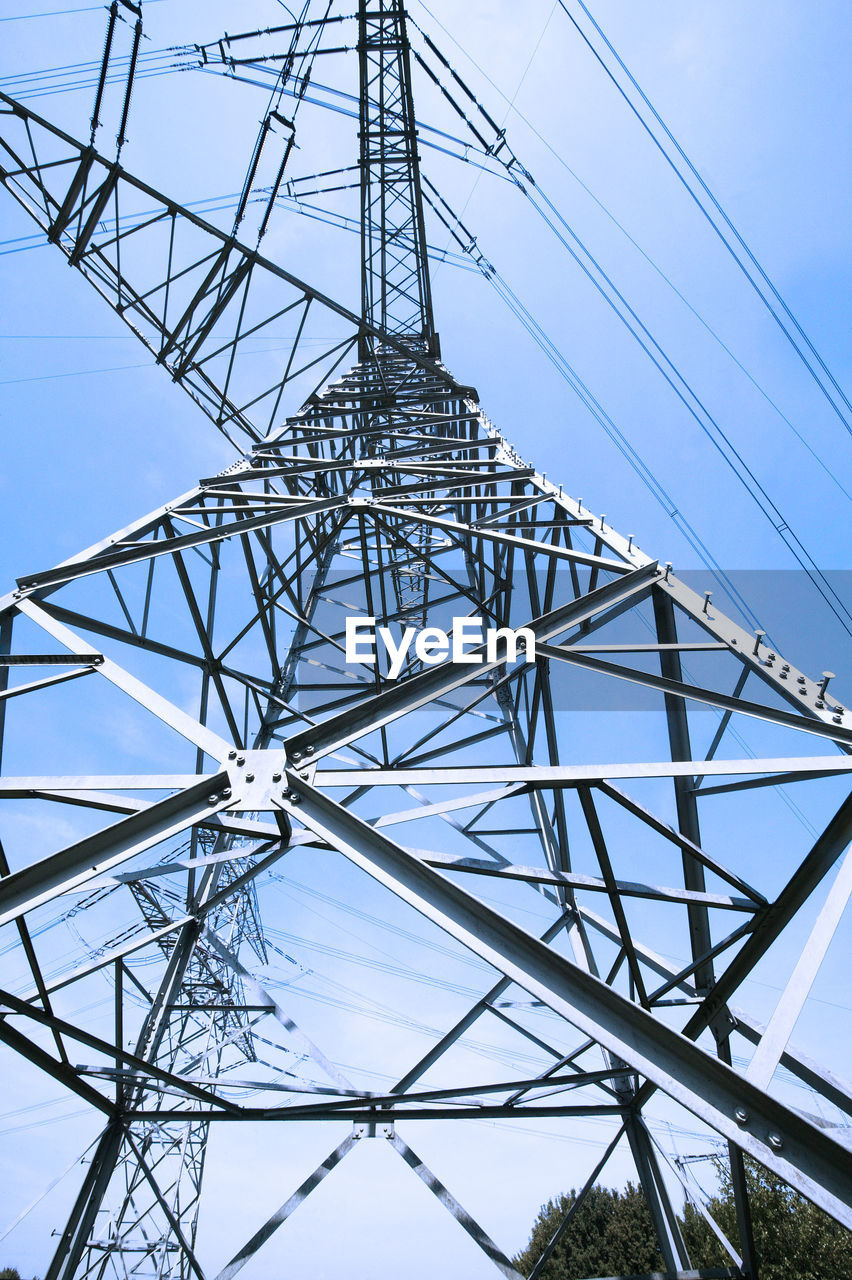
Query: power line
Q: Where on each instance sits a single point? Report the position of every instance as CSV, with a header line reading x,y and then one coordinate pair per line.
x,y
654,265
755,284
59,13
567,371
672,375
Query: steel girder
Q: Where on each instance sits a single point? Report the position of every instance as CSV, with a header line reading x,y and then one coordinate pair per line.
x,y
396,292
390,495
303,501
178,281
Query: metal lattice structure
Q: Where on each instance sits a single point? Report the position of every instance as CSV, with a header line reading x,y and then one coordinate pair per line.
x,y
387,495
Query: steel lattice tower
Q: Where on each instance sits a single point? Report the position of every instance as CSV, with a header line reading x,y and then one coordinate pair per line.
x,y
387,495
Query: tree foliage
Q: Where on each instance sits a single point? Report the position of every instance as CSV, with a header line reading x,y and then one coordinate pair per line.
x,y
612,1232
792,1237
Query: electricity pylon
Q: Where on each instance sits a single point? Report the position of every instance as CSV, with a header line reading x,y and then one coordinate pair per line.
x,y
388,496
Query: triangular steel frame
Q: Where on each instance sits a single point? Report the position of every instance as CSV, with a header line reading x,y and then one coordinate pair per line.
x,y
391,488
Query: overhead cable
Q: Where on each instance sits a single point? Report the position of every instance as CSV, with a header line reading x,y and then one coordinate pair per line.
x,y
620,227
745,259
560,362
691,401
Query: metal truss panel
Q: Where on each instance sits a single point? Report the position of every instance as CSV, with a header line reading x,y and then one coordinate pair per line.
x,y
419,779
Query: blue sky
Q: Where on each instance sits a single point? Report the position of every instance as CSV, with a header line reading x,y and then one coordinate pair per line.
x,y
756,95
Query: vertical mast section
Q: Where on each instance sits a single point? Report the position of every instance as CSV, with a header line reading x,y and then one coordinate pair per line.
x,y
395,289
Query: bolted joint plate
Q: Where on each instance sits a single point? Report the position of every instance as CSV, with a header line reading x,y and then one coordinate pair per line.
x,y
256,779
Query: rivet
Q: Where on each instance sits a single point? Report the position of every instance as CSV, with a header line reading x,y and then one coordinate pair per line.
x,y
741,1116
776,1141
823,684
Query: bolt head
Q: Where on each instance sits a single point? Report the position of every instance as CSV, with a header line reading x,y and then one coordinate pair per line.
x,y
249,777
775,1141
232,755
741,1115
241,760
227,793
276,777
213,799
309,750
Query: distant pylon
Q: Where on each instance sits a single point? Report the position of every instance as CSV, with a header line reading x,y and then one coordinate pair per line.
x,y
444,752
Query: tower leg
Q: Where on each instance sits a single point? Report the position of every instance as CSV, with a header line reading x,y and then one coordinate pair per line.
x,y
656,1195
81,1221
